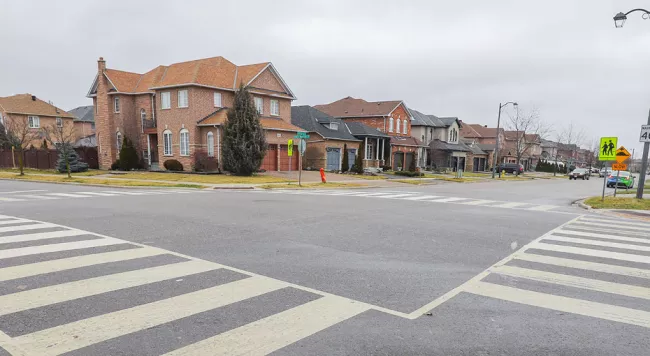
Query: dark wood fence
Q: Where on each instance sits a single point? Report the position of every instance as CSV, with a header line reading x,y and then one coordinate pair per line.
x,y
46,159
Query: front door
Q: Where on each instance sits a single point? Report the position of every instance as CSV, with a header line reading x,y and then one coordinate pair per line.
x,y
352,156
333,159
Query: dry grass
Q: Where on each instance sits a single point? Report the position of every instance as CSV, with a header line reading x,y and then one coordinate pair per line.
x,y
198,178
108,182
89,173
312,185
366,177
415,181
618,203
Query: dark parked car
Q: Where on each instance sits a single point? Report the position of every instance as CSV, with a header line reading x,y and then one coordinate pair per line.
x,y
510,168
579,173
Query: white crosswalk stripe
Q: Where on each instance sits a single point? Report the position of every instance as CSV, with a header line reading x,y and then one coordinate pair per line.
x,y
544,271
258,337
412,196
44,195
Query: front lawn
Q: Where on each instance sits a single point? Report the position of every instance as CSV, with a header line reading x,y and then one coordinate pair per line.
x,y
201,178
311,185
618,203
99,181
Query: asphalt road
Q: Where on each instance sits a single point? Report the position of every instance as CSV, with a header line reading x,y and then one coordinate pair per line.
x,y
419,270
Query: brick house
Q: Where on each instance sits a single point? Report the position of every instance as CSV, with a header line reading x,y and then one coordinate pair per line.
x,y
22,110
485,138
529,145
178,110
328,137
84,123
392,118
442,144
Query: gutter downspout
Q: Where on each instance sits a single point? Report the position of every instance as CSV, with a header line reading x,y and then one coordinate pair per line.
x,y
218,146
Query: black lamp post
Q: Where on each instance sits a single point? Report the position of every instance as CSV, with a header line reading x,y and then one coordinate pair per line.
x,y
495,164
619,19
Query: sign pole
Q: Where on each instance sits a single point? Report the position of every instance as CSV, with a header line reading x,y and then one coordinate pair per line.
x,y
604,182
618,173
644,167
299,168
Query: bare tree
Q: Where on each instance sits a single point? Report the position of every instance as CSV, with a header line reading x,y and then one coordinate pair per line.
x,y
19,136
62,137
572,137
528,131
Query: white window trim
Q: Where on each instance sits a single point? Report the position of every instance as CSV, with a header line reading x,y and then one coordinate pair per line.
x,y
405,127
210,142
59,122
116,105
187,99
260,109
184,147
165,152
218,103
397,127
143,114
35,122
391,124
275,104
167,94
118,138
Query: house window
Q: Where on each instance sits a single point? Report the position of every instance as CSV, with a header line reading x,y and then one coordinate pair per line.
x,y
453,135
182,98
405,128
210,144
259,105
334,126
398,125
217,100
92,125
118,141
165,100
59,122
369,150
33,122
116,104
167,143
275,107
185,142
391,124
143,114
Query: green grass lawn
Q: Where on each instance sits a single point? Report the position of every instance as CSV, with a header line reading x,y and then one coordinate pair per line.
x,y
618,203
109,182
199,178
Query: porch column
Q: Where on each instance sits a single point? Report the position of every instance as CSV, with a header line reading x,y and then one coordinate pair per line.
x,y
149,151
383,149
365,147
377,150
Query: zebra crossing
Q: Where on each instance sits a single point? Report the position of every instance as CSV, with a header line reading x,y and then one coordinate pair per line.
x,y
575,268
23,196
414,196
69,291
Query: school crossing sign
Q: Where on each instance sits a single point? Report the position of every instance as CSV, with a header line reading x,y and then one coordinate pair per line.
x,y
607,149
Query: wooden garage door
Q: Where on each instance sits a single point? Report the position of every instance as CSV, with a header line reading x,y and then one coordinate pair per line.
x,y
284,158
270,161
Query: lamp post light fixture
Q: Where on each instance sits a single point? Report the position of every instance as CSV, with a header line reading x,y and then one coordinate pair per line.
x,y
619,19
495,163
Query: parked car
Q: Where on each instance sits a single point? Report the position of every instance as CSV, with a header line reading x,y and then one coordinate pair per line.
x,y
625,179
579,173
594,170
510,168
604,172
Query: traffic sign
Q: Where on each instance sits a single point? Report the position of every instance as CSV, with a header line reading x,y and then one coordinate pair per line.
x,y
302,135
606,148
290,147
645,133
302,146
619,166
622,154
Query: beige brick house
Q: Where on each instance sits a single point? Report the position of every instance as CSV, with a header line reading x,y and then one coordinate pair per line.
x,y
178,110
26,110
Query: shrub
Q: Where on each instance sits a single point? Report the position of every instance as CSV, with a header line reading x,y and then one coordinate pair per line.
x,y
412,165
345,166
128,156
386,168
205,163
72,161
173,165
408,174
116,165
358,161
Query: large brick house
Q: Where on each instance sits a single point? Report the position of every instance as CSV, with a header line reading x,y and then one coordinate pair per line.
x,y
29,112
178,110
389,117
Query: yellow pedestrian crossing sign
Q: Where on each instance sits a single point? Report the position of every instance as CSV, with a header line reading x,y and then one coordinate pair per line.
x,y
607,148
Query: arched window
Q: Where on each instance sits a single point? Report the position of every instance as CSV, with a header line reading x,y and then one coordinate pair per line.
x,y
405,129
185,143
167,143
390,124
210,144
398,125
118,141
143,115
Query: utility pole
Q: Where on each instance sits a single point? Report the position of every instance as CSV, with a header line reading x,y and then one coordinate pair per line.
x,y
644,166
496,148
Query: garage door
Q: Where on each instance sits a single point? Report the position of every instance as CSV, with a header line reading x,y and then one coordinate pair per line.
x,y
352,156
270,161
333,159
284,158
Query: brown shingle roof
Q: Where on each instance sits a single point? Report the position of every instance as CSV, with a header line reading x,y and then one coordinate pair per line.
x,y
246,73
23,104
124,82
351,107
481,131
268,123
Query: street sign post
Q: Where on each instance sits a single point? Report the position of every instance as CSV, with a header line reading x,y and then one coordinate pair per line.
x,y
644,165
645,133
622,154
302,147
606,153
290,152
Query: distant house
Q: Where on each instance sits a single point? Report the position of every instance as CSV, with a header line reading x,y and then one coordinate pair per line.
x,y
485,138
84,122
328,136
527,145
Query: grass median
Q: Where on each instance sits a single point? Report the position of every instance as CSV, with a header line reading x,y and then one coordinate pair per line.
x,y
618,203
311,185
201,178
98,181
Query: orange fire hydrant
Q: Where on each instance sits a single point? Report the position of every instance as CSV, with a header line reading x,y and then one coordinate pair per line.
x,y
322,175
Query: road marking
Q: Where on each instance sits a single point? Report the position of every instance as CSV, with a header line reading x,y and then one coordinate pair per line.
x,y
393,196
603,236
597,243
478,202
40,236
508,205
421,197
613,230
99,194
616,222
367,194
272,333
34,298
68,195
542,207
574,281
13,221
563,304
34,250
619,227
123,192
591,252
59,265
73,336
41,197
24,191
585,265
447,200
27,227
10,199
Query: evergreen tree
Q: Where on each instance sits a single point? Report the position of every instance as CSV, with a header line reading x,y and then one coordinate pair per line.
x,y
244,141
345,166
44,144
358,162
68,160
128,155
412,165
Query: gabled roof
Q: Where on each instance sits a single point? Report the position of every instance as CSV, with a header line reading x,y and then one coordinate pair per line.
x,y
477,131
29,104
218,118
313,120
448,121
359,129
420,119
444,146
83,113
405,141
474,147
214,72
352,107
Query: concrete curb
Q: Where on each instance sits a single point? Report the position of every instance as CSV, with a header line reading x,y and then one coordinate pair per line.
x,y
99,185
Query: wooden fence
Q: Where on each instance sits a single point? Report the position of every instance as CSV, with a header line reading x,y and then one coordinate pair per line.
x,y
46,159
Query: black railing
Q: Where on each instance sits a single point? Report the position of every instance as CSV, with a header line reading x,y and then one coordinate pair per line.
x,y
148,124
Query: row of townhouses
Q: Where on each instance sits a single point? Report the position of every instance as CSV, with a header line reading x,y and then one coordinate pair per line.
x,y
177,111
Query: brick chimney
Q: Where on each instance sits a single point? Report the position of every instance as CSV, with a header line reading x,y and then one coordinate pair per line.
x,y
103,119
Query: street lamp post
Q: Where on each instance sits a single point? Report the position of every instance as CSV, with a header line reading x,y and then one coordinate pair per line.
x,y
619,21
496,148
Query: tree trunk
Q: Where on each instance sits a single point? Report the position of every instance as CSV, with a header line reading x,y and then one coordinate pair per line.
x,y
21,163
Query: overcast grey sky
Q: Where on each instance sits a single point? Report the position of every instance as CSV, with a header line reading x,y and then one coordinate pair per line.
x,y
448,58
